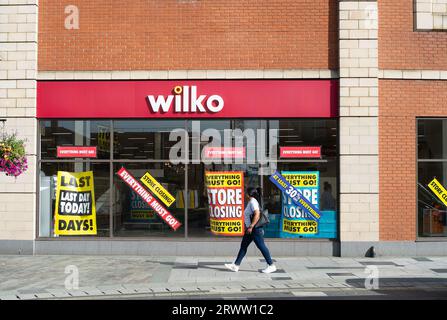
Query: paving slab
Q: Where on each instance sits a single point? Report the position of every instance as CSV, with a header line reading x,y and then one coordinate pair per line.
x,y
44,295
26,296
28,276
77,293
309,294
9,297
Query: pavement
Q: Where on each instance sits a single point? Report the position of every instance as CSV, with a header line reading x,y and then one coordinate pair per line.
x,y
144,277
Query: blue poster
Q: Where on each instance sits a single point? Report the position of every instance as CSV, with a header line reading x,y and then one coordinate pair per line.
x,y
296,221
301,216
296,197
139,210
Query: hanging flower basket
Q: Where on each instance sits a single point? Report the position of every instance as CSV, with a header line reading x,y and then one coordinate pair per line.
x,y
13,161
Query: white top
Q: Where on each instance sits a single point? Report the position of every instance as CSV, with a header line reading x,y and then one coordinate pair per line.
x,y
250,209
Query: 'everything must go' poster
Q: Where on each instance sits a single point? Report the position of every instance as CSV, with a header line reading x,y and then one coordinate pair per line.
x,y
75,212
226,202
295,221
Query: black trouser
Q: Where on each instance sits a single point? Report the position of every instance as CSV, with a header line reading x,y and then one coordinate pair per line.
x,y
257,235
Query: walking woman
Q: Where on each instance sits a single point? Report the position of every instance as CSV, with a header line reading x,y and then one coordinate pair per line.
x,y
252,214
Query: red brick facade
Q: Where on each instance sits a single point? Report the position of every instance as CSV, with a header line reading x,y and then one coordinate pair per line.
x,y
401,101
400,47
190,34
252,34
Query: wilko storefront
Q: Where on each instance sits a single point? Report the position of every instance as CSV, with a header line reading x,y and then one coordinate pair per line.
x,y
171,160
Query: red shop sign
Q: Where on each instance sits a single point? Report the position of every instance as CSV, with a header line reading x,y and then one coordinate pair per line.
x,y
76,152
300,152
224,152
188,99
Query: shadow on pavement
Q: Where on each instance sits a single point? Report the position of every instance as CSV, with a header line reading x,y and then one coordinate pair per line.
x,y
219,266
400,282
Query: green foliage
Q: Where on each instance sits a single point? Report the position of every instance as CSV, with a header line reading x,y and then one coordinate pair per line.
x,y
11,146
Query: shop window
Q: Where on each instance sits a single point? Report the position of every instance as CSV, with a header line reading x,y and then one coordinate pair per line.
x,y
64,133
198,209
432,164
145,139
304,132
202,133
132,216
325,198
145,146
48,195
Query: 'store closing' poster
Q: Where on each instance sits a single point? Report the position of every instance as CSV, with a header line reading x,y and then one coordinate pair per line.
x,y
75,212
226,202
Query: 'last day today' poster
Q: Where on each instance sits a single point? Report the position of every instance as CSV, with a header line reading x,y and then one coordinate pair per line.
x,y
75,212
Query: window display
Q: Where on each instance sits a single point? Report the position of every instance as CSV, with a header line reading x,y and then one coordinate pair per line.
x,y
432,166
194,192
52,200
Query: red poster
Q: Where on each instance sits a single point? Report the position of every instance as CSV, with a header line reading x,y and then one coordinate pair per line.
x,y
300,152
224,152
76,152
150,200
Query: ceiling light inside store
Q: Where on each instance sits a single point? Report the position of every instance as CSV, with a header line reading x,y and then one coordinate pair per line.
x,y
290,136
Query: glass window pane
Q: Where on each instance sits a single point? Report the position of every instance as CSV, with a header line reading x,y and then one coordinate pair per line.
x,y
203,132
145,139
56,133
306,132
48,184
274,201
252,135
432,139
432,212
198,210
132,215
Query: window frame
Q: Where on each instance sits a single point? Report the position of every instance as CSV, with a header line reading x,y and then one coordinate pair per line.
x,y
112,161
418,236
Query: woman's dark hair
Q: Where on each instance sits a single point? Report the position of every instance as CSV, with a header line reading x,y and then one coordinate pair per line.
x,y
255,193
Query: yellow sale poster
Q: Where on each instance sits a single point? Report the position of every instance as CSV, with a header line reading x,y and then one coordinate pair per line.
x,y
226,202
75,212
157,189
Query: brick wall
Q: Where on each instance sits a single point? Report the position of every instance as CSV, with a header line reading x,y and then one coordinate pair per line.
x,y
401,101
18,60
400,47
430,14
358,122
189,34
